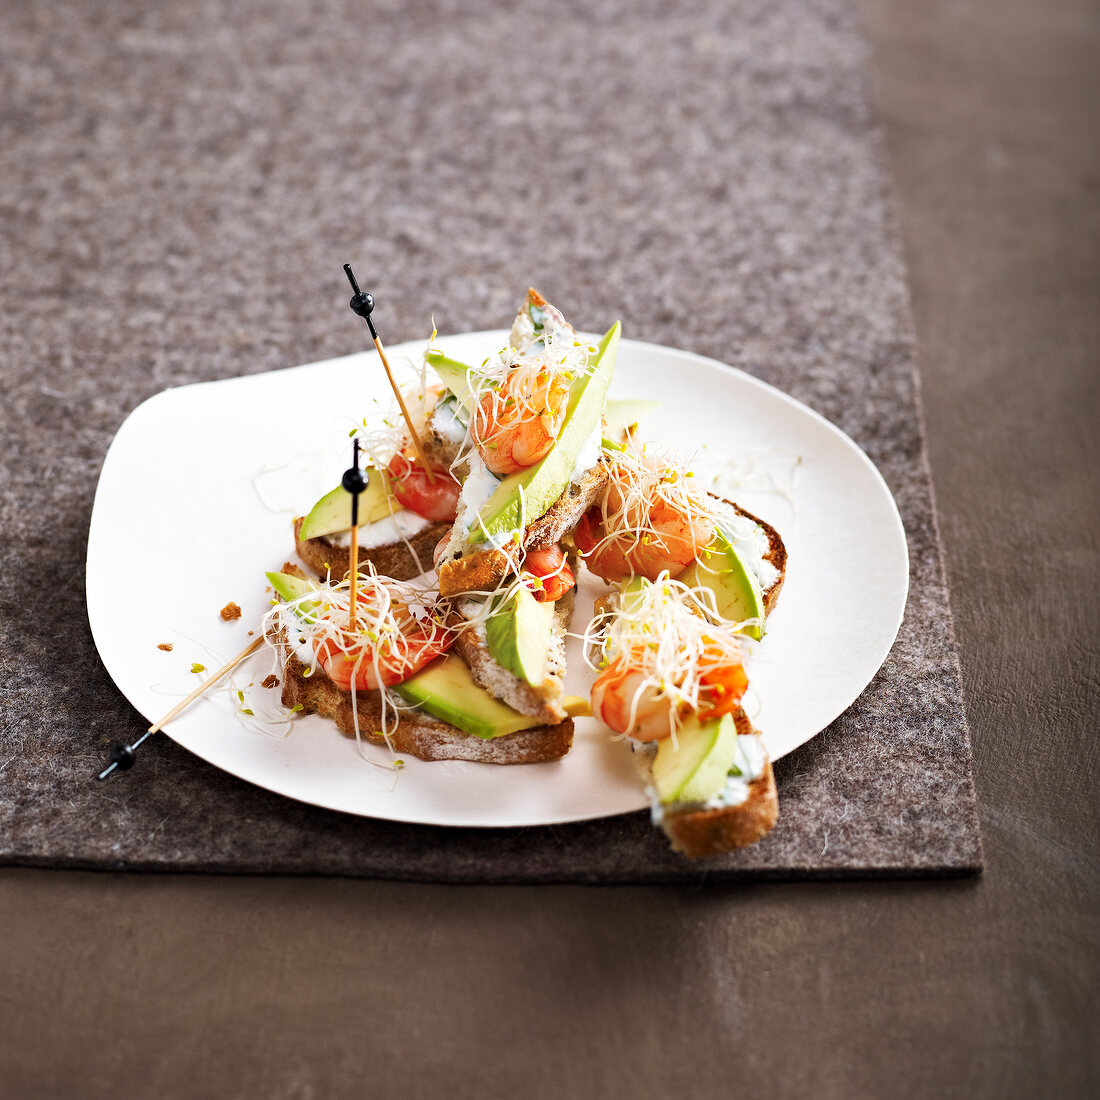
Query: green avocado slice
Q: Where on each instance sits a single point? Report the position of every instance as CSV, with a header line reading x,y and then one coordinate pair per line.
x,y
523,497
694,768
446,690
737,592
519,633
332,512
291,588
452,374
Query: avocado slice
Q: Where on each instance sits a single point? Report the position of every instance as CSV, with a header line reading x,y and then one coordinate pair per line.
x,y
525,496
694,768
452,374
332,512
290,587
446,690
519,635
737,592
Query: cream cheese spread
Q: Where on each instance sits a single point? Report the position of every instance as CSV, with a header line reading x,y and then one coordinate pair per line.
x,y
751,543
589,454
446,424
400,526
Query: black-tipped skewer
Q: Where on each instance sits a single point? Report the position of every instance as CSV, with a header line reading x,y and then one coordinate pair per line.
x,y
363,305
354,481
123,756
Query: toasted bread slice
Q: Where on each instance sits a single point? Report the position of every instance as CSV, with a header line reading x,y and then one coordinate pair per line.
x,y
547,701
417,734
776,555
396,559
699,830
483,570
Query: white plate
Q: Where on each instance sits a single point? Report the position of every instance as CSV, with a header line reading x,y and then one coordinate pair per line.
x,y
186,519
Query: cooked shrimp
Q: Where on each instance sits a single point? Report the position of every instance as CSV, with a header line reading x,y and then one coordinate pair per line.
x,y
549,572
662,660
517,423
390,642
627,698
651,519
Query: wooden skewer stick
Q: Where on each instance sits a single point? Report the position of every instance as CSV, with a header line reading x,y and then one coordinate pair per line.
x,y
362,305
122,756
354,482
353,576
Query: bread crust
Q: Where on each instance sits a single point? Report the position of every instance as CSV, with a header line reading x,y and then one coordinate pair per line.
x,y
483,570
776,555
478,572
698,832
394,560
417,734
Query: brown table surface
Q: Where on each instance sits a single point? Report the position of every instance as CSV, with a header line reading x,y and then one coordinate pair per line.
x,y
138,985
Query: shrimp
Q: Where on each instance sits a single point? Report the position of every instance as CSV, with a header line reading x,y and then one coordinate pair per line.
x,y
651,519
389,644
627,701
549,572
627,698
661,660
516,424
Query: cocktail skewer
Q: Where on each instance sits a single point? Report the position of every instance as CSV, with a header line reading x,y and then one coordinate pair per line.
x,y
354,482
362,305
123,756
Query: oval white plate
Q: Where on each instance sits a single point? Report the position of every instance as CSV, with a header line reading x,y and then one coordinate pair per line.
x,y
194,504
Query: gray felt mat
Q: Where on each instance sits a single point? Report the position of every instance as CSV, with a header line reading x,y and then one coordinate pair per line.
x,y
181,184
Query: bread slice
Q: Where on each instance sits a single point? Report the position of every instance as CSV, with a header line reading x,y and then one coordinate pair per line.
x,y
695,829
776,555
547,701
397,560
417,734
698,830
483,570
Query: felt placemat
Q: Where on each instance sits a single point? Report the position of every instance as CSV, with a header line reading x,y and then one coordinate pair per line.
x,y
182,183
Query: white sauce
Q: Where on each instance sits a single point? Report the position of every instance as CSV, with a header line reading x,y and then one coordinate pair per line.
x,y
384,532
479,486
589,454
445,422
300,645
751,542
749,761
